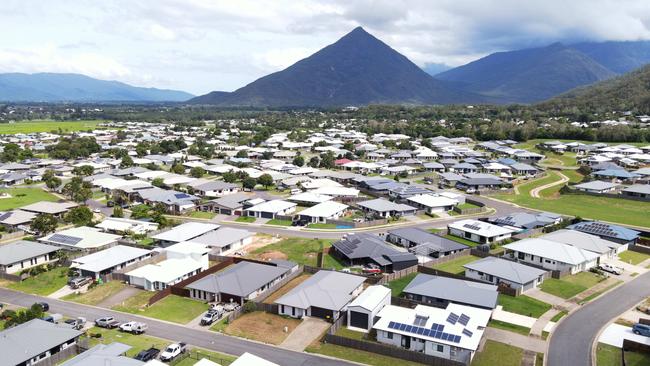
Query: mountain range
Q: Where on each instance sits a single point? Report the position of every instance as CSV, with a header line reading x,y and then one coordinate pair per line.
x,y
57,87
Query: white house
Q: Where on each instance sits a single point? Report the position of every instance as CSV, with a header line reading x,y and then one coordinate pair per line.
x,y
363,310
121,225
431,203
479,231
321,212
80,238
502,271
552,255
21,255
109,260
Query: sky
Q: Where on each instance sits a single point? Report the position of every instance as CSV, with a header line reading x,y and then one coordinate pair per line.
x,y
204,45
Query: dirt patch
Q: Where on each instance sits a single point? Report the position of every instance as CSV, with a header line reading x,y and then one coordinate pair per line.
x,y
260,241
263,327
272,255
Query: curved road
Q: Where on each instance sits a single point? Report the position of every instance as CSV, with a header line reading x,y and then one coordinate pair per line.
x,y
572,339
536,191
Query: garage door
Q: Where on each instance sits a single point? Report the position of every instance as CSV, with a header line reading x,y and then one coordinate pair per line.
x,y
321,313
359,320
267,215
226,212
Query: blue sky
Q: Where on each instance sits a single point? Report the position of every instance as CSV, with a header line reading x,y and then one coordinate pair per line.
x,y
205,45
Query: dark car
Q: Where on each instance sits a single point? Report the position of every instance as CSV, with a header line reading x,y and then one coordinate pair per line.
x,y
45,306
148,354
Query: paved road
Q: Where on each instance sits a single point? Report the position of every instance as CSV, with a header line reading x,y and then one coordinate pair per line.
x,y
572,340
200,338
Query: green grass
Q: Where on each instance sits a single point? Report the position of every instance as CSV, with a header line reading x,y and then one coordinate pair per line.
x,y
202,214
559,316
524,305
496,353
347,333
509,327
435,231
24,196
321,226
279,222
456,265
573,175
172,308
248,219
97,294
465,206
607,355
632,257
299,250
461,240
355,355
44,283
146,241
48,126
600,292
397,286
570,286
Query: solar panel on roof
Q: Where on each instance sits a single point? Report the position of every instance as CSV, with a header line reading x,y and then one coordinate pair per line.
x,y
391,325
420,331
467,332
64,239
456,339
409,328
452,318
402,326
464,319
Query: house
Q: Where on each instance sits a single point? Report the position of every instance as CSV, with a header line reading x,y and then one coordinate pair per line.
x,y
104,354
637,190
323,295
421,242
432,203
522,169
320,213
271,209
21,255
453,332
552,255
479,231
498,271
109,260
240,282
480,184
367,249
309,198
120,225
175,202
12,178
596,186
363,311
213,188
440,291
57,209
526,220
232,204
225,240
80,238
604,248
385,209
248,359
407,190
611,232
16,219
36,341
450,179
183,232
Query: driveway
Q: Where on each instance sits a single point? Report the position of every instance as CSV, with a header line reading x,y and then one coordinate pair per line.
x,y
66,290
307,332
119,297
614,335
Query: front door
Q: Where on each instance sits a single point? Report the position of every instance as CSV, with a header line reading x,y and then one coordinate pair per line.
x,y
406,342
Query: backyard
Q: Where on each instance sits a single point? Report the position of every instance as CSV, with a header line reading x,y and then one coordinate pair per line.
x,y
463,241
172,308
455,266
523,305
44,283
397,286
97,294
20,197
299,250
262,327
607,355
569,286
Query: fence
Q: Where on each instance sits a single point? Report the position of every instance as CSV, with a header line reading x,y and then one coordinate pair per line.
x,y
630,345
12,235
60,356
571,190
12,277
639,248
357,225
197,355
470,211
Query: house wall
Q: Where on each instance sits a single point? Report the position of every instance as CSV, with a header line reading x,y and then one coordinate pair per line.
x,y
28,263
417,344
478,238
553,265
371,313
470,273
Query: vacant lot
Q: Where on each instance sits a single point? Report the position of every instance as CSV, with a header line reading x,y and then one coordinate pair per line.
x,y
456,265
172,308
496,353
635,258
299,250
97,294
23,196
262,326
44,283
524,305
47,126
569,286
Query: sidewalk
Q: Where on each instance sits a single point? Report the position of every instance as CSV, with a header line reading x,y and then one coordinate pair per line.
x,y
512,318
517,340
542,323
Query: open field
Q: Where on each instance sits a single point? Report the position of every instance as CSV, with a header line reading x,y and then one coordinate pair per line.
x,y
456,265
172,308
23,196
48,126
44,283
569,286
97,294
299,250
262,326
524,305
496,353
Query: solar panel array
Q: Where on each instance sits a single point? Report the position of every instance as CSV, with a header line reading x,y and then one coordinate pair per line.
x,y
467,332
472,227
464,319
420,320
436,331
452,318
597,228
64,239
181,195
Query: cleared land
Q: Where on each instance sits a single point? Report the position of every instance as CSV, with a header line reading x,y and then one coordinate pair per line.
x,y
172,308
24,196
569,286
97,294
48,126
299,250
262,326
496,353
44,283
524,305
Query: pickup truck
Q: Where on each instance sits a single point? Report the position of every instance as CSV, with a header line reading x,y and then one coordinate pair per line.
x,y
172,351
210,317
133,327
107,322
611,269
148,354
76,324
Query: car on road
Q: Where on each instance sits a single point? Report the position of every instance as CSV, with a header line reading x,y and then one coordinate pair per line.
x,y
78,282
210,317
172,351
610,269
133,327
641,329
107,322
147,354
45,306
76,324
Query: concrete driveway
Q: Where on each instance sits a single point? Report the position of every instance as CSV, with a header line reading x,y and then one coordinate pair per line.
x,y
307,332
67,290
119,297
614,335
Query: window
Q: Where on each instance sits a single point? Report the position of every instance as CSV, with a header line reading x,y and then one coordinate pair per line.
x,y
389,335
440,348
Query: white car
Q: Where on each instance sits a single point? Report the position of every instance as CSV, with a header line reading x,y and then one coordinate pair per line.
x,y
172,351
133,327
611,269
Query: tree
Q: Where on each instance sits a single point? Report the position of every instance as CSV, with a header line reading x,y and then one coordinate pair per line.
x,y
327,160
83,171
314,162
79,216
249,183
140,212
229,177
158,182
197,172
178,168
44,224
299,160
242,154
118,211
14,318
53,183
126,162
266,180
78,190
10,153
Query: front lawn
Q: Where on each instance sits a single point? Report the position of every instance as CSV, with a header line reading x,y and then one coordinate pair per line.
x,y
509,327
202,214
469,243
633,257
355,355
497,353
97,294
172,308
44,283
248,219
524,305
299,250
456,265
397,286
465,206
559,316
569,286
24,196
607,355
279,222
262,326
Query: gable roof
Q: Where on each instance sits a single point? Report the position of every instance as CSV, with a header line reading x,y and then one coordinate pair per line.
x,y
186,231
382,205
30,339
326,289
553,250
454,290
108,258
508,270
22,249
425,239
240,279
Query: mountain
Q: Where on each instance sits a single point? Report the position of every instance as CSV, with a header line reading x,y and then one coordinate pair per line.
x,y
528,75
433,68
358,69
53,87
627,92
620,57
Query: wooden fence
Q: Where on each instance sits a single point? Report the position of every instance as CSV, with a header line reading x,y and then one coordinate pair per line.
x,y
357,225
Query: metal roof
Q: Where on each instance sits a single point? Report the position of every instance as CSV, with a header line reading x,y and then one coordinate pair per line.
x,y
25,341
508,270
21,250
454,290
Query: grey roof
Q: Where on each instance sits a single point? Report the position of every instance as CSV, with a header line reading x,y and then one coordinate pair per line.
x,y
408,190
451,176
240,279
30,339
186,231
167,196
326,289
596,185
508,270
638,188
17,217
454,290
481,181
49,207
104,259
581,240
382,205
232,201
103,355
361,245
222,237
23,249
525,220
424,238
215,185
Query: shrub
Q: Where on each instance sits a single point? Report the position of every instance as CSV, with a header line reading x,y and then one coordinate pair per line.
x,y
249,307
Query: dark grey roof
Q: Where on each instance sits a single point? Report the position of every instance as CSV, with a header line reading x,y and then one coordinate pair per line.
x,y
433,243
481,181
325,289
454,290
240,279
30,339
361,245
23,249
215,185
232,201
382,205
508,270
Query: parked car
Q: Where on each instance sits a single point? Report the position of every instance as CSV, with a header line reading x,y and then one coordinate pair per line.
x,y
217,307
45,306
107,322
641,329
372,269
172,351
77,324
53,318
611,269
210,317
148,354
78,282
133,327
230,306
